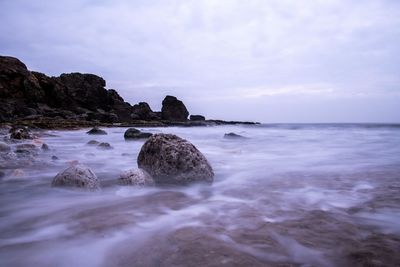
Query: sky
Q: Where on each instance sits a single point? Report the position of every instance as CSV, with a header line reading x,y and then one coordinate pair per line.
x,y
258,60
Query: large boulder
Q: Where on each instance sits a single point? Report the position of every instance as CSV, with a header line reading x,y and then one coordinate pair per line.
x,y
133,133
173,109
170,159
77,176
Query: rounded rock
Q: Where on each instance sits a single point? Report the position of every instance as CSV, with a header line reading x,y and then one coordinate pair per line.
x,y
133,133
170,159
79,176
96,130
136,177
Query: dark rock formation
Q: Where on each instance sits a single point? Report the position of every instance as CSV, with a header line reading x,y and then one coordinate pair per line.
x,y
133,133
77,176
142,111
173,109
170,159
197,118
233,136
136,177
70,96
96,131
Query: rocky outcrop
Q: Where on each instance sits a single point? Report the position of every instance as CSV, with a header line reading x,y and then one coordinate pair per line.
x,y
136,177
133,133
142,111
170,159
71,96
173,109
77,176
197,118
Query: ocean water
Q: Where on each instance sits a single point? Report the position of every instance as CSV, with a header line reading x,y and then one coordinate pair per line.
x,y
287,195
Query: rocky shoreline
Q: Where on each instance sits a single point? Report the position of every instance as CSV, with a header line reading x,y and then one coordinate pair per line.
x,y
77,100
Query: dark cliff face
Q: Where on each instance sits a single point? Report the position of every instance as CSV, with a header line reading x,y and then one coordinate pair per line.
x,y
25,93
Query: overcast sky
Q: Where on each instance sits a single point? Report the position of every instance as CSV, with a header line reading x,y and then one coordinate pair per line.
x,y
264,60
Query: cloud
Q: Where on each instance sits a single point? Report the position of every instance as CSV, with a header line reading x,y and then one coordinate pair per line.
x,y
207,50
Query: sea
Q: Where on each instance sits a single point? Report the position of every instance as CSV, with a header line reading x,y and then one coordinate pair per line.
x,y
284,195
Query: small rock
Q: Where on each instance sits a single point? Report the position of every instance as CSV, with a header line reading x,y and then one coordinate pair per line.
x,y
93,142
54,158
96,130
170,159
233,136
20,133
18,173
133,133
77,176
45,147
197,118
137,177
4,147
105,146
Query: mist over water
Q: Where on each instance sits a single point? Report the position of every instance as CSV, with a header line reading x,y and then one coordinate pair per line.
x,y
288,195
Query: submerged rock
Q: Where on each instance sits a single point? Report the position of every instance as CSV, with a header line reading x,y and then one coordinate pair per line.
x,y
27,150
45,147
105,146
54,158
93,142
173,109
133,133
97,130
233,136
79,176
170,159
4,147
137,177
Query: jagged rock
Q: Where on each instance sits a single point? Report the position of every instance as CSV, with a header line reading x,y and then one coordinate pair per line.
x,y
105,146
96,130
133,133
20,133
93,142
170,159
173,109
136,177
197,118
233,136
77,176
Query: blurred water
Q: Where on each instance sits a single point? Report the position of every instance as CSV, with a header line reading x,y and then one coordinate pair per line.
x,y
288,195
